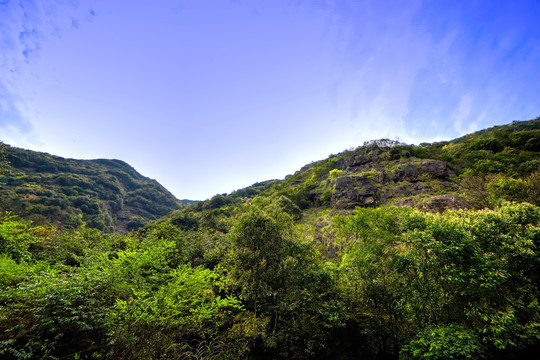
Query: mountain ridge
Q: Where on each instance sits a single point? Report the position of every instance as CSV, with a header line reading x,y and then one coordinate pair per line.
x,y
108,194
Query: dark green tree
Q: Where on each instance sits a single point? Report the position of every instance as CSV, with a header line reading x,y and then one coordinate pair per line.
x,y
282,282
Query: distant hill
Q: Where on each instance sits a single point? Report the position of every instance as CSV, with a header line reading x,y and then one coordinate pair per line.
x,y
106,194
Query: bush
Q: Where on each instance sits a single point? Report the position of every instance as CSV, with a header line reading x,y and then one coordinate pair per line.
x,y
15,238
444,343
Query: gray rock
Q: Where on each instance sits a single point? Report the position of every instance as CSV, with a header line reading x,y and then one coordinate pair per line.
x,y
409,189
436,168
412,172
352,191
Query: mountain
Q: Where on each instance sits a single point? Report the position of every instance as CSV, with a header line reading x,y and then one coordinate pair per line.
x,y
434,176
108,195
386,251
474,171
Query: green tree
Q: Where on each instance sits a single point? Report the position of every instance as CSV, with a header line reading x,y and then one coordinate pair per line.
x,y
282,283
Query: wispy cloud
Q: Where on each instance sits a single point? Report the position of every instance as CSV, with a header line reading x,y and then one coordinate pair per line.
x,y
462,113
380,53
20,38
25,27
482,67
9,113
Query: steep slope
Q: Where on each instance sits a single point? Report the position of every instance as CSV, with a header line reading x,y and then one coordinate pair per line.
x,y
105,194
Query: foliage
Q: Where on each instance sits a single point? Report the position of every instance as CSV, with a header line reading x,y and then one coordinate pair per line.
x,y
452,342
104,194
15,237
456,285
462,284
164,322
284,285
489,191
3,154
124,297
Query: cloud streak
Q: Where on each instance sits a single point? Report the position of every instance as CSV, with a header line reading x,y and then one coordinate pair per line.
x,y
25,27
482,67
380,53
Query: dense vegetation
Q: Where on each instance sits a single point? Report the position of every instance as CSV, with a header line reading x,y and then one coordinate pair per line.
x,y
105,194
406,284
320,265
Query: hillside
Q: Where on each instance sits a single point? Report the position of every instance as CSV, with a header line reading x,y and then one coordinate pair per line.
x,y
387,251
105,194
385,171
475,171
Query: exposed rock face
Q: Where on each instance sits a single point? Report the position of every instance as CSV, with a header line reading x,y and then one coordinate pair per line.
x,y
370,180
408,172
408,189
352,191
366,156
356,160
436,168
411,171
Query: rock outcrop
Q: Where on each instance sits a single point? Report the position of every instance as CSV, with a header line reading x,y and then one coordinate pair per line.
x,y
352,191
371,179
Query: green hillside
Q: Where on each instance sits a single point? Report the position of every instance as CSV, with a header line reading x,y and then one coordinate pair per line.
x,y
105,194
386,251
473,172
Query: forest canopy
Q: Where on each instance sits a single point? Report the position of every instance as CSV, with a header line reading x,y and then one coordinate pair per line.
x,y
407,284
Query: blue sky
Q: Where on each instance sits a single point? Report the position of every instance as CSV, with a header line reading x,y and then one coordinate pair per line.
x,y
211,96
